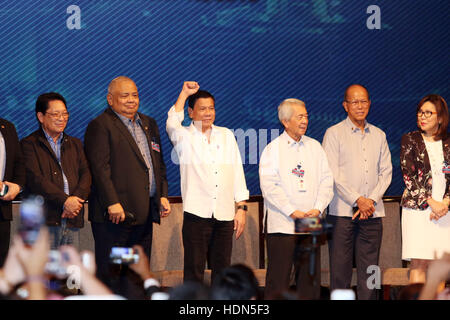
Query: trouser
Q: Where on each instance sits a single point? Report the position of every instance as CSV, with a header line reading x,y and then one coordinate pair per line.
x,y
63,235
5,233
206,239
120,278
286,252
354,238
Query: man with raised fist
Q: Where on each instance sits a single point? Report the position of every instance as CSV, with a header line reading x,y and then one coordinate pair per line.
x,y
212,181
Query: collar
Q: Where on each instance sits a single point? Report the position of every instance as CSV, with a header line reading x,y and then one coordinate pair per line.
x,y
126,120
354,128
50,139
193,129
291,142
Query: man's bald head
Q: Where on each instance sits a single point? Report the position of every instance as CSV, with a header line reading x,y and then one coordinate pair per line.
x,y
353,86
113,84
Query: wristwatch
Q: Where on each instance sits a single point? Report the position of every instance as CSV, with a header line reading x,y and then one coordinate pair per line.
x,y
243,207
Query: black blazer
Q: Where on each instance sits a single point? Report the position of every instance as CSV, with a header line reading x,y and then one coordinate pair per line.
x,y
416,170
14,169
44,174
119,172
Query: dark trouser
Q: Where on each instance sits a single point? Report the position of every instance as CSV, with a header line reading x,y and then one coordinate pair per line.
x,y
206,238
5,233
361,238
120,278
285,251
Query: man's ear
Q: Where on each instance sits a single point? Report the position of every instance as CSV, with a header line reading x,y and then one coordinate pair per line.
x,y
344,104
109,98
40,117
190,111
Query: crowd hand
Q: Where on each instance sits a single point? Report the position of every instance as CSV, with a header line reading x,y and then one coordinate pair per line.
x,y
90,285
33,259
165,207
13,191
142,267
439,269
239,222
13,270
189,88
116,213
72,257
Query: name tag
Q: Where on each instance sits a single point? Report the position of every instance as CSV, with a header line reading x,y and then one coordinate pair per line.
x,y
300,173
446,168
155,147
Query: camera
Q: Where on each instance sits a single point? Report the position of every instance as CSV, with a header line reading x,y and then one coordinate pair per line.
x,y
31,218
122,255
315,226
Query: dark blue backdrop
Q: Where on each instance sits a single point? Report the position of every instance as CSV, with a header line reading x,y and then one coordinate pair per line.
x,y
250,54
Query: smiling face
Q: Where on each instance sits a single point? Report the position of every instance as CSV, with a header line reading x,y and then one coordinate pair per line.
x,y
298,123
357,104
124,98
427,118
54,120
204,112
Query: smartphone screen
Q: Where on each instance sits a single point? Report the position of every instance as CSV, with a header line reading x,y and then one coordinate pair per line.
x,y
31,218
122,255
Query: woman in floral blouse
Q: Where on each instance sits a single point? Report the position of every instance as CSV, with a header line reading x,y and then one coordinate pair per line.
x,y
425,163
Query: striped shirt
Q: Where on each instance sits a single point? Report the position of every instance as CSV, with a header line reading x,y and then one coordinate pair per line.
x,y
138,134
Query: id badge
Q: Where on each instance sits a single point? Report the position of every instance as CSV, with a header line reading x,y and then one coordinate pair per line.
x,y
302,185
446,168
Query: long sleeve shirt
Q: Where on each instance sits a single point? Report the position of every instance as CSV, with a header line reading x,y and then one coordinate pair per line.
x,y
293,176
361,165
212,175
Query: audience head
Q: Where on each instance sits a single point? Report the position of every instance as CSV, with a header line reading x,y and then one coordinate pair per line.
x,y
237,282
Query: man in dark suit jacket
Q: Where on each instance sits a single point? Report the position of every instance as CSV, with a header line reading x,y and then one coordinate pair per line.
x,y
129,178
57,169
12,175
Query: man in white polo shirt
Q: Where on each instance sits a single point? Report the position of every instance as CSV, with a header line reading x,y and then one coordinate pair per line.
x,y
212,181
296,182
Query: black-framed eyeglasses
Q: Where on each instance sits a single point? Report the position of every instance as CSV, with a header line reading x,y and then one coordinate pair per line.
x,y
427,114
57,115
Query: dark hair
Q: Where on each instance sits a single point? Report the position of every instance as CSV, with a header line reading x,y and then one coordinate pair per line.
x,y
237,282
198,95
43,100
355,85
189,290
410,292
442,114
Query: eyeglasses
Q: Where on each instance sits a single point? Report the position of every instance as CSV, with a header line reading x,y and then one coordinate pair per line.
x,y
57,115
427,114
355,103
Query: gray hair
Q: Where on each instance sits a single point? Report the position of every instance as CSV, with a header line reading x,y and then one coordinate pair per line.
x,y
113,82
285,109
